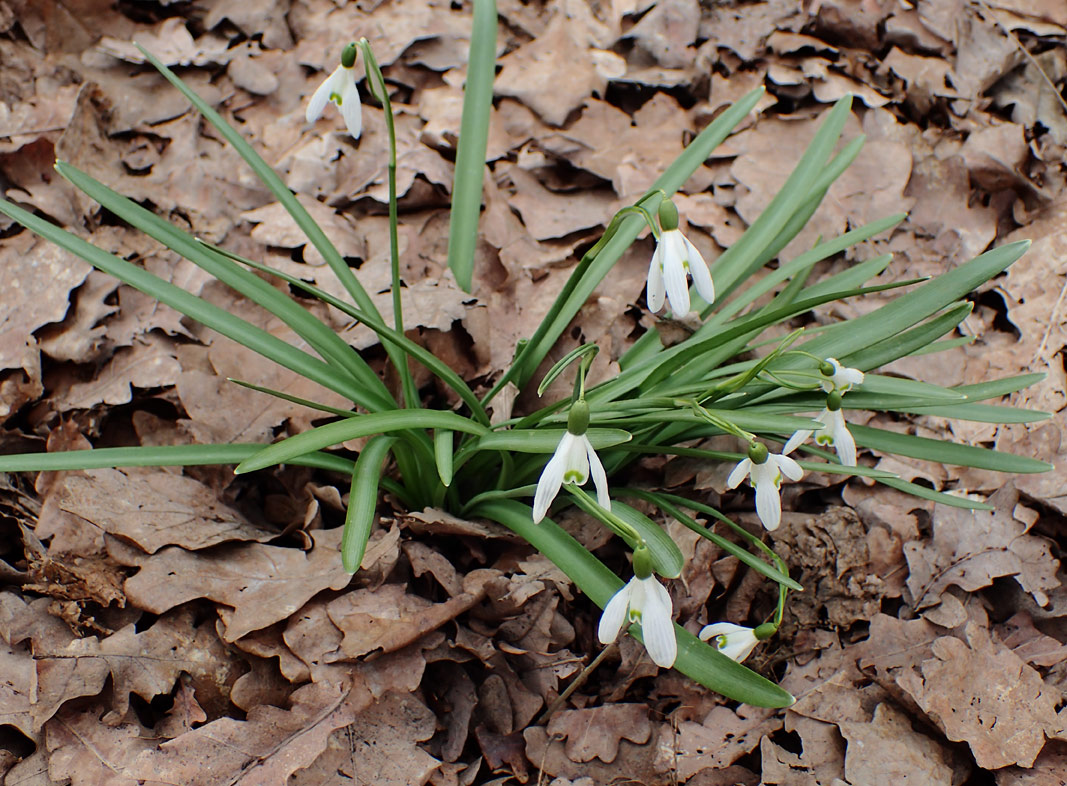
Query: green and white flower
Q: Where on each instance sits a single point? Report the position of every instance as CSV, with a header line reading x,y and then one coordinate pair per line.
x,y
573,462
673,260
644,601
765,471
340,88
734,641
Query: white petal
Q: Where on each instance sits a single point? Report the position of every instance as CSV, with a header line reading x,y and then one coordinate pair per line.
x,y
768,502
698,268
843,441
740,472
795,441
708,632
551,479
320,98
350,107
655,293
600,477
674,272
575,458
657,629
739,645
788,466
614,614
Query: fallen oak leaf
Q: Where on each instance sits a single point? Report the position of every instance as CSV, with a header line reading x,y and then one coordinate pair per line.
x,y
258,585
595,732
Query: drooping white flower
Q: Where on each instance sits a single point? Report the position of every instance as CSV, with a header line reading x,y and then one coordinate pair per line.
x,y
674,259
766,477
573,462
340,88
842,379
734,641
834,432
648,603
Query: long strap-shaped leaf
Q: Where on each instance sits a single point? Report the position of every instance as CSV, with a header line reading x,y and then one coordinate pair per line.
x,y
591,271
320,337
363,501
282,193
696,659
388,336
351,428
473,141
159,456
208,314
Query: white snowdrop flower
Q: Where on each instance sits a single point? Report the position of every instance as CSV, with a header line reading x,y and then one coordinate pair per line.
x,y
834,432
734,641
841,379
765,471
644,601
675,258
573,462
340,88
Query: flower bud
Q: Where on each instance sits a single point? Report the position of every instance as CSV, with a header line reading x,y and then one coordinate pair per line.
x,y
348,56
765,631
668,215
578,418
757,453
642,561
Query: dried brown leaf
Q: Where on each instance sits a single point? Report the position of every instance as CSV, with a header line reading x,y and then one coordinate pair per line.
x,y
258,584
595,733
889,750
153,508
982,693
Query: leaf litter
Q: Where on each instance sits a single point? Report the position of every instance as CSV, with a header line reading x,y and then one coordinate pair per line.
x,y
188,627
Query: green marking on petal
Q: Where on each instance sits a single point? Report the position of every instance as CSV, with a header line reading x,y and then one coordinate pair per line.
x,y
572,476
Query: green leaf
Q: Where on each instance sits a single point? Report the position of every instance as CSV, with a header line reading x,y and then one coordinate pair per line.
x,y
351,428
159,456
918,490
591,270
442,452
696,659
944,452
321,338
363,501
208,314
915,306
473,141
546,440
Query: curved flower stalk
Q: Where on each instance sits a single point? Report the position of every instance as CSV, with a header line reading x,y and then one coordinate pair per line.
x,y
340,88
734,641
675,258
644,601
573,462
765,470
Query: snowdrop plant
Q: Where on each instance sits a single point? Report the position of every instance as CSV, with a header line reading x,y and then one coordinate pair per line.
x,y
668,399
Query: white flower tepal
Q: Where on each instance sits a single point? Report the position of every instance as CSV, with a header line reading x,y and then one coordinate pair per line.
x,y
674,259
734,641
340,88
766,477
646,602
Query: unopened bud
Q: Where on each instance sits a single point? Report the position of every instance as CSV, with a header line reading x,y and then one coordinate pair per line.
x,y
668,215
757,453
578,418
348,56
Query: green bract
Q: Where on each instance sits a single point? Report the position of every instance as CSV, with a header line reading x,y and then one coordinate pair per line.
x,y
725,378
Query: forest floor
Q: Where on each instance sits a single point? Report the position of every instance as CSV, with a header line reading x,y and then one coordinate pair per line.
x,y
168,626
